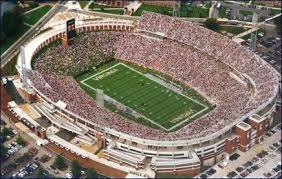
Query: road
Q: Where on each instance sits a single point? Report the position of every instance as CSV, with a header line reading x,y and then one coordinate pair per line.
x,y
14,49
250,2
261,24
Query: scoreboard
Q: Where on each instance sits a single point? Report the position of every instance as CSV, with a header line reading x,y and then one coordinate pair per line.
x,y
70,29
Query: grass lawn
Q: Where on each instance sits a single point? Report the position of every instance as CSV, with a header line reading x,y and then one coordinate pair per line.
x,y
275,11
95,5
222,12
151,8
193,11
245,13
13,39
83,3
10,69
232,30
32,17
162,106
111,11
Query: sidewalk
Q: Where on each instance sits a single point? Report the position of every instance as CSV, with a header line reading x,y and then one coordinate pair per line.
x,y
33,9
87,6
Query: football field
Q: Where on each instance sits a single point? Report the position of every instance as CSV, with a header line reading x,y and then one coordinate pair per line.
x,y
158,104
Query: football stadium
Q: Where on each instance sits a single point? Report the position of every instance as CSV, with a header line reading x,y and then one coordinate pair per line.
x,y
159,94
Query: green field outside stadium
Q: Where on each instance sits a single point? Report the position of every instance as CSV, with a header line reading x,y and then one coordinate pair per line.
x,y
158,104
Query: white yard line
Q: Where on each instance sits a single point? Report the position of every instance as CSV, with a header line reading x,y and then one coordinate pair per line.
x,y
132,110
100,72
165,86
176,125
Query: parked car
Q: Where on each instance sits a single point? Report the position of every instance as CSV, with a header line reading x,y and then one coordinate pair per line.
x,y
249,170
68,175
255,167
244,174
239,169
276,145
211,171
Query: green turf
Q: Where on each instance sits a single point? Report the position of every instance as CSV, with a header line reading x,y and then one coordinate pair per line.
x,y
131,88
32,17
245,13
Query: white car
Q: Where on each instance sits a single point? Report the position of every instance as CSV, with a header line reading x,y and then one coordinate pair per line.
x,y
15,175
68,175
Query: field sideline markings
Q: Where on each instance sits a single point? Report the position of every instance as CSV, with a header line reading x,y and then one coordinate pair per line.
x,y
166,129
164,86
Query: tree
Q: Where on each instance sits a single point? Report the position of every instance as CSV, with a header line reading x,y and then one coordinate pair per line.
x,y
12,21
91,173
40,173
212,23
3,152
5,131
59,162
2,37
75,169
20,140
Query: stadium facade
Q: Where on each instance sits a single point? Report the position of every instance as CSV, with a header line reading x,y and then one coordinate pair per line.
x,y
178,154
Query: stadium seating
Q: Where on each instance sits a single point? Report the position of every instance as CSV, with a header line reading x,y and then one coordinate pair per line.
x,y
191,54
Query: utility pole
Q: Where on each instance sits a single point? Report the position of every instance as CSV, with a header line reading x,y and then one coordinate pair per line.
x,y
176,9
24,75
254,33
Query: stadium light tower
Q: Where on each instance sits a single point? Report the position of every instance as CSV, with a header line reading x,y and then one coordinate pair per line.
x,y
176,9
23,68
254,33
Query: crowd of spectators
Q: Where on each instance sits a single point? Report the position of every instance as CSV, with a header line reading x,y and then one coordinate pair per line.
x,y
89,50
189,53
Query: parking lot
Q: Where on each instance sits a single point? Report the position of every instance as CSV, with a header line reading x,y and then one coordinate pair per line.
x,y
269,48
261,161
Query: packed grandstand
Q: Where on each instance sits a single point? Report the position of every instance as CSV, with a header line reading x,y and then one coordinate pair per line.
x,y
231,77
